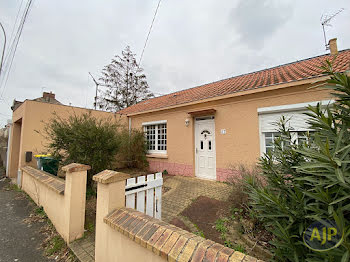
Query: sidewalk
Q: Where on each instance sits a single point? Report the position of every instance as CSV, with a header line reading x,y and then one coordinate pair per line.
x,y
18,240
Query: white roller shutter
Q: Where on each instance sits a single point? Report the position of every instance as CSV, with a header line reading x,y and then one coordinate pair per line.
x,y
295,113
297,121
268,116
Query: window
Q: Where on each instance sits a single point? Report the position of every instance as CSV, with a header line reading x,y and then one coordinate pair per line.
x,y
303,137
156,136
269,141
299,137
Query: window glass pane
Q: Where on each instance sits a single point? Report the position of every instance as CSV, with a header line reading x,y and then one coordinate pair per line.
x,y
268,134
270,139
268,142
209,144
303,137
202,145
150,137
161,138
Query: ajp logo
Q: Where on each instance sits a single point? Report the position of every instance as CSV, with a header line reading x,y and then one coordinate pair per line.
x,y
323,235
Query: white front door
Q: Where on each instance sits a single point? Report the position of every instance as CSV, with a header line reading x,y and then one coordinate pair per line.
x,y
205,148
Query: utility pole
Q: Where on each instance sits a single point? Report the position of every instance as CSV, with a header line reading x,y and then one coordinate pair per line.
x,y
97,84
3,50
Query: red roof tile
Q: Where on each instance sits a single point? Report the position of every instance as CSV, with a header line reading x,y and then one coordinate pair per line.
x,y
296,71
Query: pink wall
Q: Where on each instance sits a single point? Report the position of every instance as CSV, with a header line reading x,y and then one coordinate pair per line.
x,y
222,174
172,168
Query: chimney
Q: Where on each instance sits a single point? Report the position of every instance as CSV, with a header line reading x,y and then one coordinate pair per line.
x,y
48,96
333,46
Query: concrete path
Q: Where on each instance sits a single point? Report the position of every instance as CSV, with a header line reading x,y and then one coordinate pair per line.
x,y
18,240
183,190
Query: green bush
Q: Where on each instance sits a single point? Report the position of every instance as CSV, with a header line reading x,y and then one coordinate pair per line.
x,y
309,182
132,153
97,142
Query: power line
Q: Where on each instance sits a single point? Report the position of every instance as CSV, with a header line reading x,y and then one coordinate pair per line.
x,y
14,26
15,45
149,32
3,50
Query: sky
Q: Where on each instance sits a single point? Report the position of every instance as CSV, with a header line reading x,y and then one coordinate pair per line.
x,y
192,42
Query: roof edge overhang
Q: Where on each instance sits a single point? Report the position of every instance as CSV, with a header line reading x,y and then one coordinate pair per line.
x,y
203,112
311,80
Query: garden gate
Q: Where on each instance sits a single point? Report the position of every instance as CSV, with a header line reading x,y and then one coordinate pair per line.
x,y
145,195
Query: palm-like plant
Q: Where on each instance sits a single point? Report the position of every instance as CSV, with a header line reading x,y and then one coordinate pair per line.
x,y
309,182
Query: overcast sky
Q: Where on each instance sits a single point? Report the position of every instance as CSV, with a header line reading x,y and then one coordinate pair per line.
x,y
192,42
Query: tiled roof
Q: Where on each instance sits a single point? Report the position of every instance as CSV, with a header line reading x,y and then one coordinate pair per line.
x,y
296,71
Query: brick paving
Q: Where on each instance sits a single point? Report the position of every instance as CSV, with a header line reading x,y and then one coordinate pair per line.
x,y
84,249
182,191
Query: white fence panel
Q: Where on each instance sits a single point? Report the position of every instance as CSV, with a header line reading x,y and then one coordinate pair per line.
x,y
148,194
130,199
158,199
150,198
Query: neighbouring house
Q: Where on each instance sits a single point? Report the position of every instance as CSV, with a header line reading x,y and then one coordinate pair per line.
x,y
27,129
204,130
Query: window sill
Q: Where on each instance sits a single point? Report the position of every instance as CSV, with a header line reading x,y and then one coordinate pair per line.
x,y
153,155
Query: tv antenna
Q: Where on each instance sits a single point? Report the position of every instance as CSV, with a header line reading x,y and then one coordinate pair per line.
x,y
97,84
325,21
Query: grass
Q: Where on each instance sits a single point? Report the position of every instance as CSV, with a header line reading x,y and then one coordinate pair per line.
x,y
236,213
56,244
199,232
14,187
40,211
90,227
220,225
239,248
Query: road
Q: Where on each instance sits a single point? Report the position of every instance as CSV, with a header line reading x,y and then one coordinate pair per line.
x,y
19,241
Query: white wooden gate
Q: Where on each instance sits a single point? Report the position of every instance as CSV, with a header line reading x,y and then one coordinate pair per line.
x,y
145,195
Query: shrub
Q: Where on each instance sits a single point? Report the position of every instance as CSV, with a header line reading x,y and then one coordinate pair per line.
x,y
309,182
239,194
133,149
94,141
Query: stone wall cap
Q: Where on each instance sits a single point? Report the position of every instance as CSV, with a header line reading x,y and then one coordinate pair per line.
x,y
110,176
52,182
75,167
168,241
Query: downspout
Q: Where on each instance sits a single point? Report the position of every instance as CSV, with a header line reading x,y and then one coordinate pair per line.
x,y
8,149
129,118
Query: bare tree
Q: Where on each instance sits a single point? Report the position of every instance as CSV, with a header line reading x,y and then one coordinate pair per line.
x,y
124,83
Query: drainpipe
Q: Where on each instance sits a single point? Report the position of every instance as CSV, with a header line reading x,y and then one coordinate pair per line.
x,y
8,149
129,124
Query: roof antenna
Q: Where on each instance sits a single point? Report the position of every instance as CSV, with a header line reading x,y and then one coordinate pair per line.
x,y
325,19
97,84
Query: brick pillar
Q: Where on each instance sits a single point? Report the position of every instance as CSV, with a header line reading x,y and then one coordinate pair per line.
x,y
110,195
75,198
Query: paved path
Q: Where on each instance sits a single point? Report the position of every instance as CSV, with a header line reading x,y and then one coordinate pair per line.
x,y
183,190
18,240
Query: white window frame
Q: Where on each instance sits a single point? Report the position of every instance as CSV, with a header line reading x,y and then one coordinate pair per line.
x,y
156,124
294,136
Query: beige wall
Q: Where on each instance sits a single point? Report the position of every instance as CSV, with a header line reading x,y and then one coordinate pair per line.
x,y
111,245
34,116
66,211
238,115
